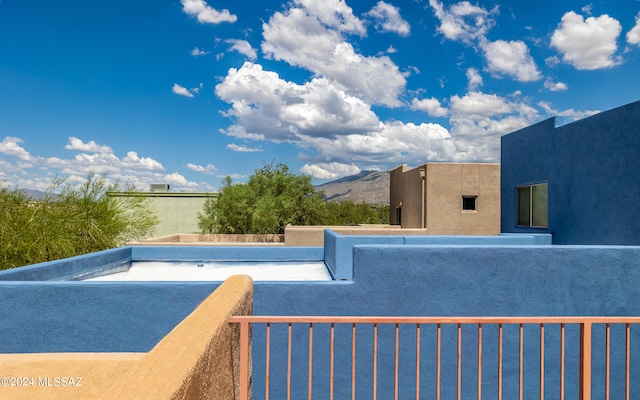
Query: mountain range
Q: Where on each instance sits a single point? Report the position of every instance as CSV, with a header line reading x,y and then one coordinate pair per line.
x,y
368,186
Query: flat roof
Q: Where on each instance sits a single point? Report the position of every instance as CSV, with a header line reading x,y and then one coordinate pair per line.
x,y
164,194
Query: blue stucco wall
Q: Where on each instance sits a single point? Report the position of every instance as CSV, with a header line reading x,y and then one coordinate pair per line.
x,y
45,308
591,167
454,280
227,253
420,280
93,317
474,280
73,268
338,249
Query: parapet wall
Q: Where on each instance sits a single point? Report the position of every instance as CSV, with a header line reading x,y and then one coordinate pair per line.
x,y
119,260
198,359
73,268
338,248
314,235
195,239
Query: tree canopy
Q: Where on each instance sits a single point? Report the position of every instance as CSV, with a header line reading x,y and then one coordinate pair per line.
x,y
274,197
69,221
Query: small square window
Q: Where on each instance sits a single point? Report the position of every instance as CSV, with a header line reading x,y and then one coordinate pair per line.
x,y
469,203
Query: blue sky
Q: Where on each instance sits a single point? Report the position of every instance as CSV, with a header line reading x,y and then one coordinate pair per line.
x,y
187,92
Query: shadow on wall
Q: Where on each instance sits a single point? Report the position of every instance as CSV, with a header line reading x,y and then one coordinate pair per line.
x,y
197,360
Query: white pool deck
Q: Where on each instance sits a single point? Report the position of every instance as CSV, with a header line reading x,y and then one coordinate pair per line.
x,y
219,271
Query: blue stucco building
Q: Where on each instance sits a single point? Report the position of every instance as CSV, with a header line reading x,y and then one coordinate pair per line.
x,y
45,309
578,181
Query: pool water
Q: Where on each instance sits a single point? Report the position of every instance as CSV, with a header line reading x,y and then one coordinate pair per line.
x,y
219,271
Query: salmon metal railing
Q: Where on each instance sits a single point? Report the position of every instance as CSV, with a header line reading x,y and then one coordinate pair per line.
x,y
511,357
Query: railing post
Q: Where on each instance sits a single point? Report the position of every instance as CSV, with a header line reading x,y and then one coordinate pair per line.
x,y
244,360
585,361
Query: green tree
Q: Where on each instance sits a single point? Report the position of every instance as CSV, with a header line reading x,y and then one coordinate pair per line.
x,y
69,221
347,212
230,212
272,198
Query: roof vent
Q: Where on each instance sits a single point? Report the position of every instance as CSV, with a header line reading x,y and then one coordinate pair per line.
x,y
159,187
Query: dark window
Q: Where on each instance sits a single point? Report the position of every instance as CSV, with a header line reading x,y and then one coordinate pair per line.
x,y
532,205
469,203
398,215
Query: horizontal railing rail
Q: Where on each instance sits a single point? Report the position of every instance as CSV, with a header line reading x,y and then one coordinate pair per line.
x,y
455,327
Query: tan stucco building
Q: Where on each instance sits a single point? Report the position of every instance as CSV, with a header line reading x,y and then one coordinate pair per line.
x,y
447,198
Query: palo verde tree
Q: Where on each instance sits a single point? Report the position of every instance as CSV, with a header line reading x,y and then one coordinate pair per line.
x,y
272,198
70,220
347,212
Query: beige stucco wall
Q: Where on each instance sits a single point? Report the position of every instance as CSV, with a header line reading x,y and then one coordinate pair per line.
x,y
406,191
295,235
93,372
436,202
447,183
198,359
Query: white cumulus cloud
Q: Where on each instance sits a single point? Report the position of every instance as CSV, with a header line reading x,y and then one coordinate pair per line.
x,y
209,169
479,119
552,61
463,21
477,105
176,179
198,52
388,19
329,170
148,163
587,44
266,106
570,113
243,149
310,37
326,123
330,116
431,106
474,79
11,146
205,13
575,115
181,90
91,146
633,36
510,58
243,47
555,86
93,158
396,143
335,14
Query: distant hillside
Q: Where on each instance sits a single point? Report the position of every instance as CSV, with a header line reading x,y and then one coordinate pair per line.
x,y
368,186
33,194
